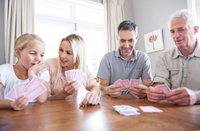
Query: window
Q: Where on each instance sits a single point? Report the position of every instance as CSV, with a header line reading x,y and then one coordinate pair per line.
x,y
194,7
55,19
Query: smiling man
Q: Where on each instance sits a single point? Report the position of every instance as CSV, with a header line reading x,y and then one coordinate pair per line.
x,y
119,67
179,67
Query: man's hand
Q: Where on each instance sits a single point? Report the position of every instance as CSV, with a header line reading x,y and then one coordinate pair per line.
x,y
182,96
139,90
155,95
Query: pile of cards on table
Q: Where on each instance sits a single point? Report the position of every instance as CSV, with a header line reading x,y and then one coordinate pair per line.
x,y
126,110
31,89
127,83
76,75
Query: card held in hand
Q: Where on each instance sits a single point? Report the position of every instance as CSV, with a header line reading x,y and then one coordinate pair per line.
x,y
31,89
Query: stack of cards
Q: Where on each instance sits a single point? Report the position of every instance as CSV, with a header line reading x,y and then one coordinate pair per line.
x,y
31,90
76,75
126,110
164,87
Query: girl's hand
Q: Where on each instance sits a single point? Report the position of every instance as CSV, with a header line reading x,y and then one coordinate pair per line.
x,y
20,103
35,69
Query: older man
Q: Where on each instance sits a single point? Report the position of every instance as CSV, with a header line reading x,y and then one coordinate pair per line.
x,y
179,67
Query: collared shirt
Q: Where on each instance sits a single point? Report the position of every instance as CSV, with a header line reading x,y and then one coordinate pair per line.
x,y
178,71
113,67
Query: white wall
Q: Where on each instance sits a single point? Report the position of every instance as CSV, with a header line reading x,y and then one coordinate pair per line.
x,y
2,53
150,15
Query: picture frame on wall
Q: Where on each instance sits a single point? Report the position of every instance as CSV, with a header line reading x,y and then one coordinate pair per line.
x,y
153,41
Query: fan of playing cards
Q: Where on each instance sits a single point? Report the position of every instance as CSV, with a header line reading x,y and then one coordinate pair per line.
x,y
76,75
127,83
31,89
164,87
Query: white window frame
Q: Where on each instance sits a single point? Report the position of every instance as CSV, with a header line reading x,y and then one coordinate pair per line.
x,y
75,24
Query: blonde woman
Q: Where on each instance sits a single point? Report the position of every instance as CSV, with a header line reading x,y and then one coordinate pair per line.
x,y
29,51
71,56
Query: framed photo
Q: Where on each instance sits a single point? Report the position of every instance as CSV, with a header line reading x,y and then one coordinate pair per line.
x,y
153,41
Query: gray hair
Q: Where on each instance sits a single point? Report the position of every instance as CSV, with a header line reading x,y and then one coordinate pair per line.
x,y
185,14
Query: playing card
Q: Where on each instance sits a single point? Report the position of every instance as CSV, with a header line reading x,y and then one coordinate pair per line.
x,y
150,109
81,94
11,95
34,88
125,83
134,82
20,89
164,87
31,89
118,82
76,75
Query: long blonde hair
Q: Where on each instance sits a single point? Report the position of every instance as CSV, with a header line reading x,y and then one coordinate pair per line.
x,y
78,47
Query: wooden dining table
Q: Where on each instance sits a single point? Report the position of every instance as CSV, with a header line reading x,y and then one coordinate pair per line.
x,y
66,115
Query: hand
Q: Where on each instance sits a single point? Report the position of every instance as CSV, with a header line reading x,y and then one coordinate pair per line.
x,y
155,95
114,90
20,103
182,96
32,71
139,90
91,98
70,87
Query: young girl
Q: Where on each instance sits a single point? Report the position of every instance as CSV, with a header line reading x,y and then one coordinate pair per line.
x,y
71,56
29,51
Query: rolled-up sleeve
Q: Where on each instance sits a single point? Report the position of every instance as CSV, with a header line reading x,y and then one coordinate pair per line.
x,y
162,72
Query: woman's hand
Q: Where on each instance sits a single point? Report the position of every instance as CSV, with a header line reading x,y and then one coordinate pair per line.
x,y
70,87
90,99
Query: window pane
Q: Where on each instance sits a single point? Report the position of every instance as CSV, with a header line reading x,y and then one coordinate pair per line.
x,y
90,15
55,8
95,46
52,35
55,19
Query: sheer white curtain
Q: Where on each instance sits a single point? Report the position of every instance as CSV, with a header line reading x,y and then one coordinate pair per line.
x,y
194,7
114,15
18,19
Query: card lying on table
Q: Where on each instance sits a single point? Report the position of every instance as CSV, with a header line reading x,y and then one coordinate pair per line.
x,y
150,109
31,89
